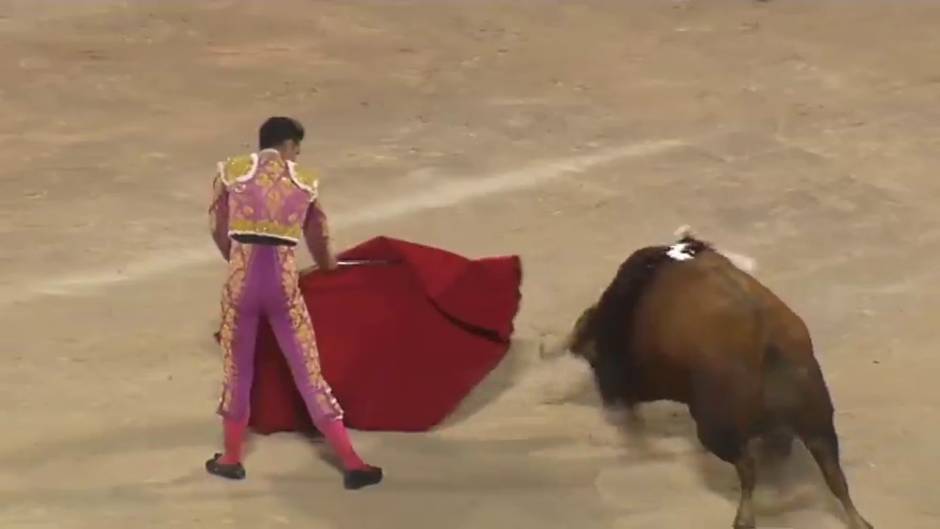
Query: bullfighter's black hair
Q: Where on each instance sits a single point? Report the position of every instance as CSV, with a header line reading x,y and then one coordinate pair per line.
x,y
276,130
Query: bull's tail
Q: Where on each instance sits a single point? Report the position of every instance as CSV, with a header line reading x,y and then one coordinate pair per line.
x,y
744,262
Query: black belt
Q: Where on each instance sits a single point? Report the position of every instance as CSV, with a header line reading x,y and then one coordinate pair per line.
x,y
265,240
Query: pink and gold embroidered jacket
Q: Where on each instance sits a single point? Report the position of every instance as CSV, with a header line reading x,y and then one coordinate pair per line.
x,y
262,194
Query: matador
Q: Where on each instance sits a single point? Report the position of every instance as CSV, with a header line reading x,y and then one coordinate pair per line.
x,y
263,204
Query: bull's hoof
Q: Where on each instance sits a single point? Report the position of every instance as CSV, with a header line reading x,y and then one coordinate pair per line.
x,y
744,520
860,524
856,521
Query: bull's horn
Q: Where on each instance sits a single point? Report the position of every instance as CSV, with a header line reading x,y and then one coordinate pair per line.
x,y
683,231
748,264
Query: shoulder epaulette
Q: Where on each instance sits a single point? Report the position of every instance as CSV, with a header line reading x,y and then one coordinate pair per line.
x,y
236,167
306,179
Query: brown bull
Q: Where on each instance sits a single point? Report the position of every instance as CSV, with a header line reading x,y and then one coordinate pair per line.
x,y
683,323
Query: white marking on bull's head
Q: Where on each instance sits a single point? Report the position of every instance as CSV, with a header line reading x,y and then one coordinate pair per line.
x,y
743,262
679,252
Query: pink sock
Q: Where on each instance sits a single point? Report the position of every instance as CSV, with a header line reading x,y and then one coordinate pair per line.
x,y
336,435
234,441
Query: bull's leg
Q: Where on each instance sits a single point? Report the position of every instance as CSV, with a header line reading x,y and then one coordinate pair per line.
x,y
825,449
746,466
725,443
720,408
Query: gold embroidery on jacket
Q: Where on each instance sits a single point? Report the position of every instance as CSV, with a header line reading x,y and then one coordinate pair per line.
x,y
235,168
231,299
272,179
308,181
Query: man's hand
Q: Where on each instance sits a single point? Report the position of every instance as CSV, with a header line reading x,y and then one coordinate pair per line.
x,y
332,267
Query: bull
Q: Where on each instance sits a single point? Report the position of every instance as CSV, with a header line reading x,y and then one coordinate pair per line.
x,y
683,323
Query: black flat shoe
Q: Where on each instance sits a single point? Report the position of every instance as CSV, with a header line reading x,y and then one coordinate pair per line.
x,y
230,471
357,479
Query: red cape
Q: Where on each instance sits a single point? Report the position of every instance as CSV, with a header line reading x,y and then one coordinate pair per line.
x,y
400,343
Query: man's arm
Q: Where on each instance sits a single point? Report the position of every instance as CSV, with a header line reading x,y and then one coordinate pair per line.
x,y
218,216
317,236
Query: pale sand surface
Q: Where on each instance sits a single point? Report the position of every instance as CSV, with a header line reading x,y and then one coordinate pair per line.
x,y
804,134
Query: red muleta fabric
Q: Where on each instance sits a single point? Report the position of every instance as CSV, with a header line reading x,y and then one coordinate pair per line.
x,y
401,343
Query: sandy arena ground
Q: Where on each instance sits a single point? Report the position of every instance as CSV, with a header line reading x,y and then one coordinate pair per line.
x,y
802,133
